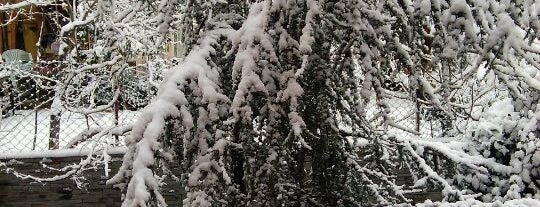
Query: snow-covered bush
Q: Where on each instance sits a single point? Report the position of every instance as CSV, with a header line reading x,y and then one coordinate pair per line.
x,y
501,138
502,134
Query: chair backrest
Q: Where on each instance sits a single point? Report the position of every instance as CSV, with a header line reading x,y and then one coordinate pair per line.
x,y
17,57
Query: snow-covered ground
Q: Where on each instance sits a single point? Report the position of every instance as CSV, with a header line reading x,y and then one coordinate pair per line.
x,y
523,202
18,132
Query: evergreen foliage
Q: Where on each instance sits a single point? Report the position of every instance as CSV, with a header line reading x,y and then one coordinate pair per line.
x,y
270,100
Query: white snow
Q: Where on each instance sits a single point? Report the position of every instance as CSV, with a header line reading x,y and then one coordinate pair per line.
x,y
525,202
17,132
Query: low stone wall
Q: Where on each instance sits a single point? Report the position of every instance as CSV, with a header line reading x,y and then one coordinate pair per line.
x,y
15,192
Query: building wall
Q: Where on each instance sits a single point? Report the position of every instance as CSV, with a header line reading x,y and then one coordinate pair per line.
x,y
30,24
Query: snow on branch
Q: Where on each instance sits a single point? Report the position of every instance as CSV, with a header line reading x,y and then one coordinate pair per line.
x,y
171,102
96,133
25,3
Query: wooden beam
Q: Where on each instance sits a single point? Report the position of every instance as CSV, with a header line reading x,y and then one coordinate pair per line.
x,y
12,33
2,35
30,38
30,32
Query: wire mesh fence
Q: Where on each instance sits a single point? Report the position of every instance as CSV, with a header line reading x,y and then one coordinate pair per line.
x,y
403,117
411,117
32,129
31,122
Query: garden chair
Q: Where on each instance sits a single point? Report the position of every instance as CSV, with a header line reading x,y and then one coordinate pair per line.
x,y
18,64
21,59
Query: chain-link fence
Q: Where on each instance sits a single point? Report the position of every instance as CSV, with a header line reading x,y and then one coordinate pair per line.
x,y
410,117
31,122
32,129
404,117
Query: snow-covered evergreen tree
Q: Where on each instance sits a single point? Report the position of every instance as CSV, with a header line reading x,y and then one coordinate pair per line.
x,y
269,102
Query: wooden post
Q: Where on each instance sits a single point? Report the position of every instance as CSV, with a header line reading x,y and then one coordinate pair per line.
x,y
116,107
116,116
418,92
35,128
86,117
54,132
30,38
12,34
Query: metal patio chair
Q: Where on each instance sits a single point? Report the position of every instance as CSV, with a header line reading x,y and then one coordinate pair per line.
x,y
20,59
17,65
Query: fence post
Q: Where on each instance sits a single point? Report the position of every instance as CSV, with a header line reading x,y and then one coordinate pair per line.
x,y
116,106
54,129
116,117
418,93
35,128
54,133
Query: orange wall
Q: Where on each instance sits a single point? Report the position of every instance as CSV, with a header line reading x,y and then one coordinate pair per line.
x,y
30,25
